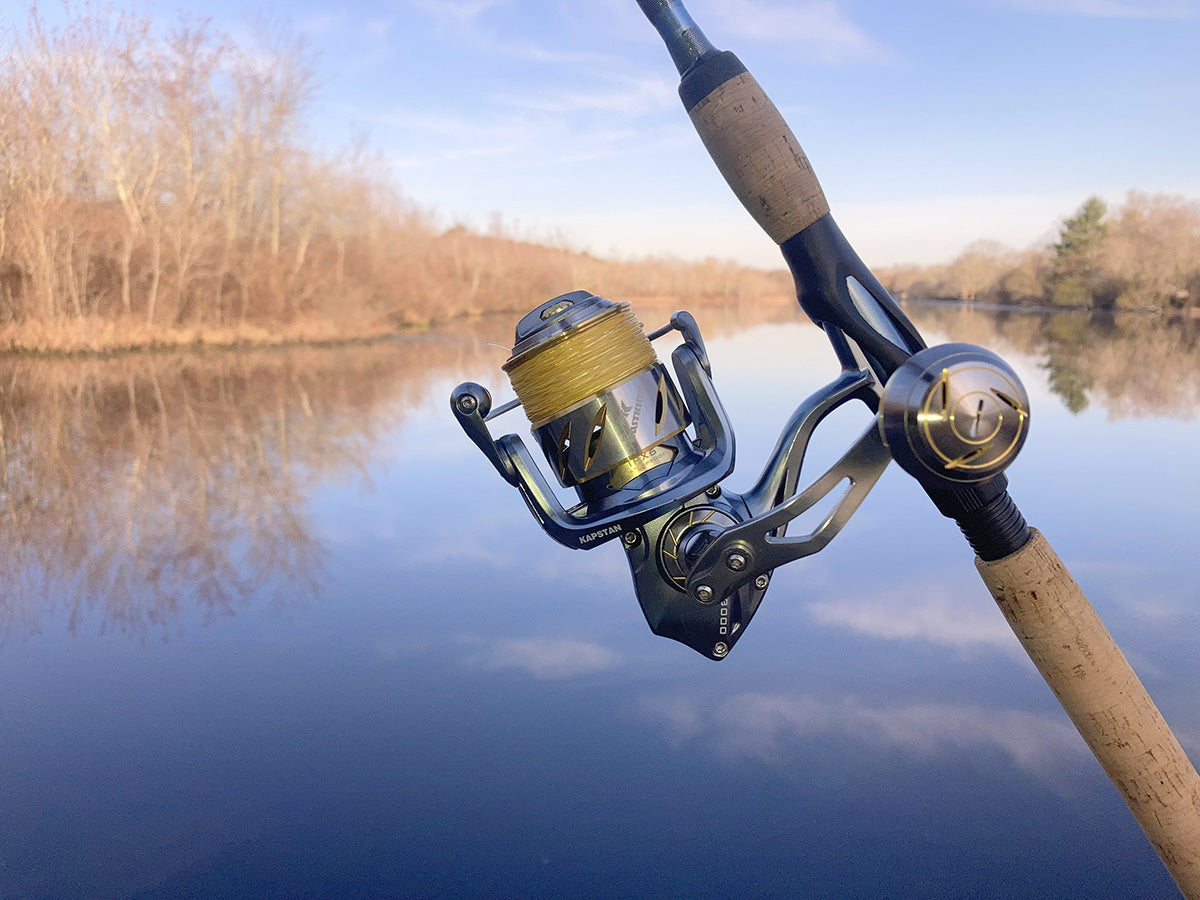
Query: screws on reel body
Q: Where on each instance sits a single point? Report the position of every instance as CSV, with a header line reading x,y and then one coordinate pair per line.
x,y
704,593
762,581
736,561
714,491
720,649
630,539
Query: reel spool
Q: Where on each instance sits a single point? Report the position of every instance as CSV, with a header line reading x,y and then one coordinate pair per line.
x,y
601,405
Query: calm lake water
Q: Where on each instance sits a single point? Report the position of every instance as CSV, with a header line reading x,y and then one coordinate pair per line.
x,y
272,627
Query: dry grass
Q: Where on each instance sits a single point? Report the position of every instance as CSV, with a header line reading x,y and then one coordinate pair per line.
x,y
97,335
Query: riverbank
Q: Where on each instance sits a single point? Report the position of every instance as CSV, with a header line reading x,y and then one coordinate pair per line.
x,y
103,337
97,336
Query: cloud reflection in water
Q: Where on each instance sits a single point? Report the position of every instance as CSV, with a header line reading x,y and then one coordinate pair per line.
x,y
922,612
548,658
770,727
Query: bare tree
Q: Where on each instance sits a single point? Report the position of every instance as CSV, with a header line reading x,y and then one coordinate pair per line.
x,y
1154,250
189,102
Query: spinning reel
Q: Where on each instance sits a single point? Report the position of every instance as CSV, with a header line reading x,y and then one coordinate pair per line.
x,y
646,457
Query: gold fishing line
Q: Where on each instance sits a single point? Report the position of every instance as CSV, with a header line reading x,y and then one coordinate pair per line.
x,y
583,361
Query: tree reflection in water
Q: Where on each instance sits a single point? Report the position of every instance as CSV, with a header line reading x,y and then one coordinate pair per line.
x,y
1128,364
145,490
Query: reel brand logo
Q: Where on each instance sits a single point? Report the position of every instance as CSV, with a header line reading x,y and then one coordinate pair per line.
x,y
600,533
636,409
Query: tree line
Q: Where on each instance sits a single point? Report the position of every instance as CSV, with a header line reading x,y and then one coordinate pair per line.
x,y
157,185
163,181
1143,254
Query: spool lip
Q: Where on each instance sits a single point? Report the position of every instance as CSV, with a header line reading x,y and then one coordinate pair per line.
x,y
580,308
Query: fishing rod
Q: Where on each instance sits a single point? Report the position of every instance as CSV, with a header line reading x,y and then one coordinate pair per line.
x,y
645,457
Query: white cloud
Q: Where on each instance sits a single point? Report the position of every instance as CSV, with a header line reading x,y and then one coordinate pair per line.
x,y
533,52
681,718
626,95
527,137
818,29
436,124
457,14
548,658
481,538
439,138
768,727
1110,9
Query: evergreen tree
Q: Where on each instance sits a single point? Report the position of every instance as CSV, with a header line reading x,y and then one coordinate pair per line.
x,y
1076,278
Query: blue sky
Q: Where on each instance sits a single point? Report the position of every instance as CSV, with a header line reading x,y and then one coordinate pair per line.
x,y
931,124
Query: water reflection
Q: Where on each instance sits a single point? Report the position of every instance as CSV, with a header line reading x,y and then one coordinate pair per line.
x,y
147,489
548,658
1130,365
918,611
776,728
421,695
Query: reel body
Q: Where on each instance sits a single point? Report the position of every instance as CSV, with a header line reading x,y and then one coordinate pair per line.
x,y
646,459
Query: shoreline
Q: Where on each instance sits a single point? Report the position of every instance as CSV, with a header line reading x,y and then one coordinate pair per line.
x,y
107,338
100,337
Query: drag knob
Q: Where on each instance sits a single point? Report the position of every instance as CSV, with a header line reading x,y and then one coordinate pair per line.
x,y
953,415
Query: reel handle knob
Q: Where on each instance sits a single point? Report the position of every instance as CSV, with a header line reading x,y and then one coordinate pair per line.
x,y
471,403
471,399
954,415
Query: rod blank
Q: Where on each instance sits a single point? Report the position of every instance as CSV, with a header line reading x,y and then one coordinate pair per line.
x,y
683,37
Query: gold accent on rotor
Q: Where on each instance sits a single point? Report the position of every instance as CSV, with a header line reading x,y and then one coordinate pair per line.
x,y
648,459
671,541
579,363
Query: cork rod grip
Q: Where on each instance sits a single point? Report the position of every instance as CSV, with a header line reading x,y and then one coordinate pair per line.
x,y
760,157
1096,686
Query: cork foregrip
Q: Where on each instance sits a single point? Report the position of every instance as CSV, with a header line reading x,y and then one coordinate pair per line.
x,y
1085,668
760,157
